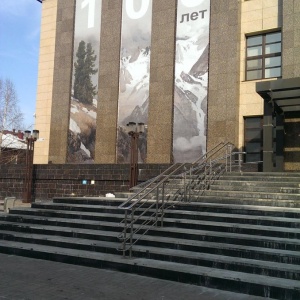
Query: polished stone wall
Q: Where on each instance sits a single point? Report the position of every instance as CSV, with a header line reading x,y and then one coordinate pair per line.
x,y
109,68
224,72
291,69
160,121
291,39
62,81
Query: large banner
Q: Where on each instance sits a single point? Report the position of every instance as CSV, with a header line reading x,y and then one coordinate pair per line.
x,y
191,80
83,110
134,74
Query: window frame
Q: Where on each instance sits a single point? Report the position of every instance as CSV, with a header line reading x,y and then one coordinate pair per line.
x,y
253,140
263,56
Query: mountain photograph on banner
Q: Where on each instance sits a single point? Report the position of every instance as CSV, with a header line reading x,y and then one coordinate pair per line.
x,y
84,93
191,80
134,81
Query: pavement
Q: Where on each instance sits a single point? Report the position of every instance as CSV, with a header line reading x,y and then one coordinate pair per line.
x,y
23,278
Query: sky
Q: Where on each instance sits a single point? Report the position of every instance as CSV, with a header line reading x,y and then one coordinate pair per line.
x,y
19,51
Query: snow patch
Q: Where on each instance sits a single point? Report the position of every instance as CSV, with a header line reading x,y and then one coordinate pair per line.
x,y
74,127
82,147
74,109
95,102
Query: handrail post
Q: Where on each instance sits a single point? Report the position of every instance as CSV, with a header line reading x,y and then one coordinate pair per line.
x,y
190,183
131,232
210,172
226,158
156,213
162,206
230,157
184,184
124,233
240,161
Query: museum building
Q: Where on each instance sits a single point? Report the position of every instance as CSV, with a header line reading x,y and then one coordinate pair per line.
x,y
194,72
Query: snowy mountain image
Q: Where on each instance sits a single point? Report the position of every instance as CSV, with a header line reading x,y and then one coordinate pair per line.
x,y
133,99
190,98
134,84
82,132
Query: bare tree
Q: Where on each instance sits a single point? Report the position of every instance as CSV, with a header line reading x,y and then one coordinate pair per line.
x,y
10,115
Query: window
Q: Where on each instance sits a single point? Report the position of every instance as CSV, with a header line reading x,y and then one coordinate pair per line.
x,y
253,139
263,57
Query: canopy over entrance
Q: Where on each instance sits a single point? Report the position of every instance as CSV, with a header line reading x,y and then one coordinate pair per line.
x,y
281,99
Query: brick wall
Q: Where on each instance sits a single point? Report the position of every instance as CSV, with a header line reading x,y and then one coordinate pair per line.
x,y
63,180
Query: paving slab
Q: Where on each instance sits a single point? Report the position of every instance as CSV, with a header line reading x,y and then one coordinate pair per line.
x,y
23,278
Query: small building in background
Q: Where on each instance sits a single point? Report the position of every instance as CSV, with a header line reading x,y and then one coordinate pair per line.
x,y
13,147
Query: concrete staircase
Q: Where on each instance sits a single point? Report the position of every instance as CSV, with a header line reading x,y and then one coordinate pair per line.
x,y
242,235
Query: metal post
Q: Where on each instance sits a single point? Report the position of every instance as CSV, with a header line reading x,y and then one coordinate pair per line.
x,y
131,232
205,180
240,161
162,206
156,206
230,158
134,130
30,139
125,233
133,159
190,181
210,172
184,184
28,171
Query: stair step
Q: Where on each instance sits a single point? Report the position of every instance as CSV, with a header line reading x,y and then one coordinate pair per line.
x,y
164,233
89,200
182,207
209,198
187,224
251,194
169,215
256,189
262,178
258,285
284,184
273,269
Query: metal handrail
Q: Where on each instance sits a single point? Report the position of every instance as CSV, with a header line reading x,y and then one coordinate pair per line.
x,y
151,201
162,177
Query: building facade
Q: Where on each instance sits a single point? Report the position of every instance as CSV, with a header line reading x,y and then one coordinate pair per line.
x,y
189,69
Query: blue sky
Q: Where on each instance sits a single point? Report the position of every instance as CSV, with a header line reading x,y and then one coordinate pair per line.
x,y
19,50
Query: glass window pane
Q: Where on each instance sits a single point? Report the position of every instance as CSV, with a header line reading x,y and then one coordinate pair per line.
x,y
253,157
254,40
252,134
252,75
274,72
253,122
254,51
273,62
253,147
254,64
273,37
273,48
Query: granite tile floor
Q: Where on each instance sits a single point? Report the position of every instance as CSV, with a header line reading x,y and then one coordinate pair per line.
x,y
23,278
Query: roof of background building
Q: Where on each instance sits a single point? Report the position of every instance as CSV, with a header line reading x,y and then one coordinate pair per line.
x,y
10,141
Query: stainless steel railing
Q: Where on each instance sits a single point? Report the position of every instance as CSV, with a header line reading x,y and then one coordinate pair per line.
x,y
180,183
